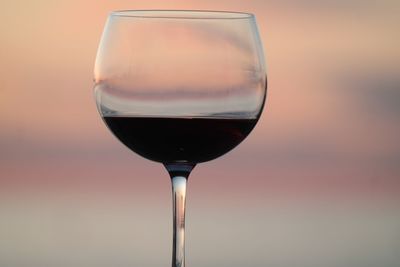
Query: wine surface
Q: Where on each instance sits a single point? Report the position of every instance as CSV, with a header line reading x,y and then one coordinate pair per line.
x,y
169,140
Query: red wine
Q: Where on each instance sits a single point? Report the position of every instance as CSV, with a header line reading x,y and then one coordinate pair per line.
x,y
169,140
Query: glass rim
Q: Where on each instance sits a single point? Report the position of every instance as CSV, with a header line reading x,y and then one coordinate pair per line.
x,y
181,14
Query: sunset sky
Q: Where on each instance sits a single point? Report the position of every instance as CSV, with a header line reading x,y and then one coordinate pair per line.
x,y
326,151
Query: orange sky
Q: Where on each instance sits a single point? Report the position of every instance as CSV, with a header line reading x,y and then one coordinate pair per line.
x,y
331,106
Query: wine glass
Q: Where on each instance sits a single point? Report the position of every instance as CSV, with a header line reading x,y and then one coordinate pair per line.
x,y
180,88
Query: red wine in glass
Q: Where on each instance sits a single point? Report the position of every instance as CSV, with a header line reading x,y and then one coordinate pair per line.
x,y
172,140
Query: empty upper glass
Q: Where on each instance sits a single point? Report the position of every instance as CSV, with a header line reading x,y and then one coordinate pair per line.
x,y
180,64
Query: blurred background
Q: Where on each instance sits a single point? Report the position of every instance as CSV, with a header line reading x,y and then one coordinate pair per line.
x,y
317,183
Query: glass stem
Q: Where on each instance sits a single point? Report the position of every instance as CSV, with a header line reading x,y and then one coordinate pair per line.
x,y
179,174
179,199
